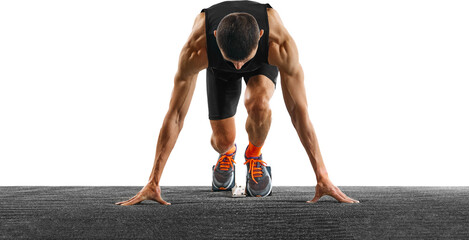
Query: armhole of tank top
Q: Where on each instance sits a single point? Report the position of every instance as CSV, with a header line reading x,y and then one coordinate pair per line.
x,y
267,6
206,37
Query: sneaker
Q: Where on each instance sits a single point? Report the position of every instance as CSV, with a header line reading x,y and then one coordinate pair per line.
x,y
258,180
224,172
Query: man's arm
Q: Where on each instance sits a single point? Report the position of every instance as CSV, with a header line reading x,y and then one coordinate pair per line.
x,y
283,53
192,60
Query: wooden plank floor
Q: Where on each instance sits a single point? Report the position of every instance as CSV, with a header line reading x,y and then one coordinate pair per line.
x,y
196,212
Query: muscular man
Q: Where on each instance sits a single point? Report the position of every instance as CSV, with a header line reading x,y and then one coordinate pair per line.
x,y
234,40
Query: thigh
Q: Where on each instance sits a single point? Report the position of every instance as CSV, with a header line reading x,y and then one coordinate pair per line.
x,y
223,92
267,70
259,88
261,83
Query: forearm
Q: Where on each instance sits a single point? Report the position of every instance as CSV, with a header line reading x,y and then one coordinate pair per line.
x,y
166,140
173,122
307,135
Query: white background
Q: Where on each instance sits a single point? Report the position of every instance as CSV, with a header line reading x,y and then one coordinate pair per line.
x,y
85,85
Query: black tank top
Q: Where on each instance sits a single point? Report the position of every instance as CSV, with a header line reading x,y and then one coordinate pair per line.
x,y
215,13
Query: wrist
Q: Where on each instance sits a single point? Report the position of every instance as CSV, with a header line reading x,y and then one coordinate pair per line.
x,y
322,176
153,181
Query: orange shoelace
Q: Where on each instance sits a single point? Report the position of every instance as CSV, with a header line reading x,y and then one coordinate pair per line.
x,y
253,168
225,161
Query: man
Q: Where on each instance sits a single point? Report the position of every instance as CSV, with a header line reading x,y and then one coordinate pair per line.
x,y
234,40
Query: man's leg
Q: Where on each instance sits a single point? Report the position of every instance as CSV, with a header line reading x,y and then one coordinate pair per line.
x,y
259,91
223,97
223,92
223,137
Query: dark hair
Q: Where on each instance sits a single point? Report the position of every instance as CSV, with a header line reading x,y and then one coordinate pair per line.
x,y
237,35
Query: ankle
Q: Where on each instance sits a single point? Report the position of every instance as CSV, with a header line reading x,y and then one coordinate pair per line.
x,y
253,150
231,150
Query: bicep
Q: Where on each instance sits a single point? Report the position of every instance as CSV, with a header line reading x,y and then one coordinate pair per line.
x,y
285,57
191,62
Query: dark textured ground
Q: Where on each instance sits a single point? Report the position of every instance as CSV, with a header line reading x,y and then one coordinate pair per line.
x,y
196,212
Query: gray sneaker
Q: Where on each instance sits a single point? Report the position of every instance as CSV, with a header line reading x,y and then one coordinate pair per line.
x,y
224,173
258,180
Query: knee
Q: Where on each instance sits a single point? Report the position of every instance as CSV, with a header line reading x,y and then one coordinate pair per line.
x,y
258,108
223,142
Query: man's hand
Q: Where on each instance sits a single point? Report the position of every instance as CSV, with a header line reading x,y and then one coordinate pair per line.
x,y
150,192
327,188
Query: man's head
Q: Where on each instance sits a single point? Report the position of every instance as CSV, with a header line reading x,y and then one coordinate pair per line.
x,y
237,37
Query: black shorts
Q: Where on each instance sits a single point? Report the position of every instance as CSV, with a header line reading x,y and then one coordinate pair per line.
x,y
224,89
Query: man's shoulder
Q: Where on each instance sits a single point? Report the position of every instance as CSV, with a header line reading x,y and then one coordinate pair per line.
x,y
197,39
277,32
198,29
194,53
272,13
